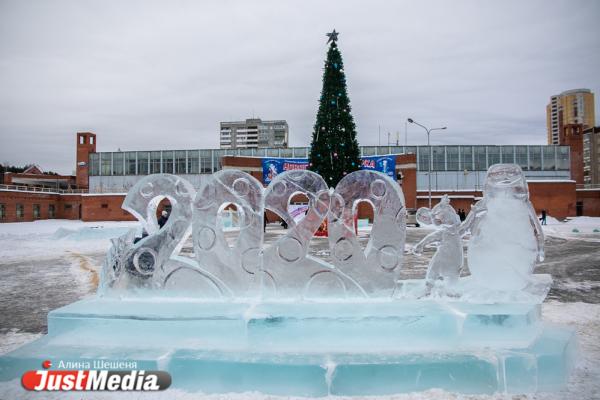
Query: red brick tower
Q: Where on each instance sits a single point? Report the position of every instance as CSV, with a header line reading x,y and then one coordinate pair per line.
x,y
572,136
86,144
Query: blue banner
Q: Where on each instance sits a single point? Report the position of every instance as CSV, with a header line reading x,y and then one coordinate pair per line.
x,y
384,164
275,166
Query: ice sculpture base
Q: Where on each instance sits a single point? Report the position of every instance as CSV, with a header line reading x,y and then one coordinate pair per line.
x,y
312,349
468,291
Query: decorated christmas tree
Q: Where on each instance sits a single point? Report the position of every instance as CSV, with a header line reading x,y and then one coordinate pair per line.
x,y
334,149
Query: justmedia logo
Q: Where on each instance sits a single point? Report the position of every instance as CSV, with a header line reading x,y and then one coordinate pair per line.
x,y
94,380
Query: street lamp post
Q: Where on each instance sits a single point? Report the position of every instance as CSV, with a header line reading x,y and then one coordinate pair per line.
x,y
430,153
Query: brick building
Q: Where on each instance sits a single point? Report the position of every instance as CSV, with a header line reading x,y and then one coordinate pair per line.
x,y
103,179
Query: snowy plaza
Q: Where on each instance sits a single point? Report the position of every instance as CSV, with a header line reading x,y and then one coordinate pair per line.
x,y
49,264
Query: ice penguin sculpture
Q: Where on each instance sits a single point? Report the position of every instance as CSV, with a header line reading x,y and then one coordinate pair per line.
x,y
446,264
506,237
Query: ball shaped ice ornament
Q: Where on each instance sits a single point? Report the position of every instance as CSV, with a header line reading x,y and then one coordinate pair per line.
x,y
502,251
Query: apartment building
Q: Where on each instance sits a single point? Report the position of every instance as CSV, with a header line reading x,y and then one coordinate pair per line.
x,y
254,133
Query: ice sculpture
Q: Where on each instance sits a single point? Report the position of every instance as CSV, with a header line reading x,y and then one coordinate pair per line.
x,y
506,237
289,272
152,262
376,269
282,321
447,262
237,266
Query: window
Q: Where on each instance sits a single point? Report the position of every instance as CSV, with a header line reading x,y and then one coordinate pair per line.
x,y
562,156
91,140
81,139
535,158
206,161
36,211
155,162
466,158
480,158
94,164
21,209
104,205
117,164
130,161
287,153
68,207
439,158
180,160
521,157
452,158
106,161
51,211
508,154
423,158
2,211
493,155
549,158
369,150
193,160
167,162
142,162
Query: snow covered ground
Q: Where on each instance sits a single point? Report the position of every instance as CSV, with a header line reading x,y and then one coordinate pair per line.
x,y
61,260
50,238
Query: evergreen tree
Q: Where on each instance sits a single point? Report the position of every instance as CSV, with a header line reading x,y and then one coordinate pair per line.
x,y
334,149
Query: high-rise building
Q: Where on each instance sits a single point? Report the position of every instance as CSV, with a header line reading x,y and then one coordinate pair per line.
x,y
591,156
569,108
254,133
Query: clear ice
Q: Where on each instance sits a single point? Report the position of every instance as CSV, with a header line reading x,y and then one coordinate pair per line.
x,y
243,316
446,264
506,236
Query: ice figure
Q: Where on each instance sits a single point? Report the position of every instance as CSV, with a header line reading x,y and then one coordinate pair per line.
x,y
153,261
289,272
376,269
506,237
237,266
447,262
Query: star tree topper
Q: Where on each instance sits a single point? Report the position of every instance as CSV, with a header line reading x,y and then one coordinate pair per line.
x,y
333,36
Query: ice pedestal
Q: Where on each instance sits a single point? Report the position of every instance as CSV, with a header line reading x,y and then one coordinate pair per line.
x,y
312,348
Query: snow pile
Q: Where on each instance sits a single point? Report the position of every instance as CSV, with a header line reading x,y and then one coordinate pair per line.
x,y
585,228
54,238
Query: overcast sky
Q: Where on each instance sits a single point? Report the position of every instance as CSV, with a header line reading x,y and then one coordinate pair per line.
x,y
162,75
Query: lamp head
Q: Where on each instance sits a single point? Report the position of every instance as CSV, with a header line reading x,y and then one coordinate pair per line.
x,y
410,120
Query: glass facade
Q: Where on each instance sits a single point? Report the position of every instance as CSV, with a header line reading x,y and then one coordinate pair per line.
x,y
508,154
142,163
535,158
444,158
522,158
130,163
117,164
549,158
466,158
493,155
155,161
452,158
180,162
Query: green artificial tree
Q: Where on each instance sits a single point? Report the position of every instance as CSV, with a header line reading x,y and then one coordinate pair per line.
x,y
334,149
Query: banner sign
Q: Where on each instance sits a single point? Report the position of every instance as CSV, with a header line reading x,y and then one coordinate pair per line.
x,y
275,166
384,164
